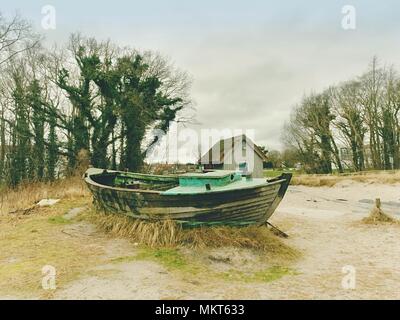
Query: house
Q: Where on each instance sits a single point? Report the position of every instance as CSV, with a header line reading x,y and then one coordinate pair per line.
x,y
346,157
234,153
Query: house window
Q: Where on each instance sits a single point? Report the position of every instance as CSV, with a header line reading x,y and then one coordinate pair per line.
x,y
244,147
345,154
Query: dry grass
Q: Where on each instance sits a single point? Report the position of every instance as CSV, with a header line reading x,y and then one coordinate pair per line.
x,y
152,234
316,180
264,256
377,216
29,242
44,237
170,234
27,195
253,237
32,239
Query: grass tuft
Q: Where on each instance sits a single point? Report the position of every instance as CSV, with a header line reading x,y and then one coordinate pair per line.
x,y
258,238
378,216
152,234
168,234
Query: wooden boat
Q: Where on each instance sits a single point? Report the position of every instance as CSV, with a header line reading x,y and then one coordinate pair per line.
x,y
208,198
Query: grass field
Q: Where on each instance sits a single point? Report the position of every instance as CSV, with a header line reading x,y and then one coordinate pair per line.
x,y
319,180
33,237
90,246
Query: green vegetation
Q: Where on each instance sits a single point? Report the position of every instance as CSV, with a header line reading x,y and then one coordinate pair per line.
x,y
86,102
273,273
168,257
173,260
59,220
266,275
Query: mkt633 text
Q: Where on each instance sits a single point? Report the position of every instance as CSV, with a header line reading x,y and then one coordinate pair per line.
x,y
221,309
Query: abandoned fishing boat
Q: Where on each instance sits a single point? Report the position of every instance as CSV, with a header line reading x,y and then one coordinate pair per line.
x,y
219,197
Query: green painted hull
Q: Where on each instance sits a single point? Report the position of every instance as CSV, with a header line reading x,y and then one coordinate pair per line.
x,y
240,204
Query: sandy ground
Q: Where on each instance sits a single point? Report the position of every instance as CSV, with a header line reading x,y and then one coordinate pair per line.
x,y
324,223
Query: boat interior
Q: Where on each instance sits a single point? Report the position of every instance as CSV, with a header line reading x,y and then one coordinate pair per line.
x,y
135,181
139,181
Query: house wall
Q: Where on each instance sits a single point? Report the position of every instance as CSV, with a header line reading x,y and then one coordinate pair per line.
x,y
233,158
258,171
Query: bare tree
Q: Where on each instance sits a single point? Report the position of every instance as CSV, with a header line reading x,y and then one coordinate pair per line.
x,y
349,120
363,113
16,36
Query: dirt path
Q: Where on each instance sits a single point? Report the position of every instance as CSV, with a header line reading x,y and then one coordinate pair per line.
x,y
324,223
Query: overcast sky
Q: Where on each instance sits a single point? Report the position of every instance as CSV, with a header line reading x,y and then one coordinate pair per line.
x,y
251,61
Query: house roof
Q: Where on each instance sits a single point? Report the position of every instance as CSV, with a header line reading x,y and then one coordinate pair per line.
x,y
226,145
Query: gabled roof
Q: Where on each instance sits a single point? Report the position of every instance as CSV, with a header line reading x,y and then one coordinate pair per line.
x,y
226,145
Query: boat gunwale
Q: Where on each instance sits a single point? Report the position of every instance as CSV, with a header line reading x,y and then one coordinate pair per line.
x,y
264,184
90,181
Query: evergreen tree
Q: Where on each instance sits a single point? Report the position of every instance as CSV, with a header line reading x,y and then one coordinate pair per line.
x,y
52,150
38,121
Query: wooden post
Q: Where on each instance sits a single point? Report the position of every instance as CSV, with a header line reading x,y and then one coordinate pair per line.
x,y
378,203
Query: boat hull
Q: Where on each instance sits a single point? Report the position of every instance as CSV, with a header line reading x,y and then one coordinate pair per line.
x,y
234,207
